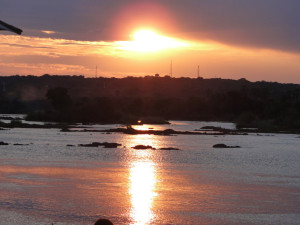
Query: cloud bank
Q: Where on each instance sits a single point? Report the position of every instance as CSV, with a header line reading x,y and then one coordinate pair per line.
x,y
269,24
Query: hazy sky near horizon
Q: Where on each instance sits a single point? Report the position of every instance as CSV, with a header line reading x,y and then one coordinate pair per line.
x,y
254,39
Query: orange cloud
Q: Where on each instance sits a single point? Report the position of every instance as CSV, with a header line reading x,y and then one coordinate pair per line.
x,y
31,55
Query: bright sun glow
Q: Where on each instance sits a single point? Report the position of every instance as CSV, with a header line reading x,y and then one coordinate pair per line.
x,y
149,41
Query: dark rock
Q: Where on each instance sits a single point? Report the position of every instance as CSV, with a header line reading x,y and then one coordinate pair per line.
x,y
110,145
169,131
70,145
169,148
89,145
220,146
104,144
210,128
3,143
143,147
224,146
21,144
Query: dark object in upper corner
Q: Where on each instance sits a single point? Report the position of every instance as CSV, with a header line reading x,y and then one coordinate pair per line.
x,y
5,26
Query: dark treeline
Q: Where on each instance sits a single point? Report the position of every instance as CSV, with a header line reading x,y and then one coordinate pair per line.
x,y
265,105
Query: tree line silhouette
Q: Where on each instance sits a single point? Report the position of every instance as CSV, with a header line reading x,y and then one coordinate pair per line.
x,y
152,99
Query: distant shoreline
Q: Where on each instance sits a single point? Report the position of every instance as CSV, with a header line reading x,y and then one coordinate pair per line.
x,y
266,106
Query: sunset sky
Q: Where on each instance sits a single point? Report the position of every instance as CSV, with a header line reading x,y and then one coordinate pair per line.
x,y
252,39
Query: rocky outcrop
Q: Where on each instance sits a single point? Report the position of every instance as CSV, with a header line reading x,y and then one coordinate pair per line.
x,y
143,147
224,146
104,144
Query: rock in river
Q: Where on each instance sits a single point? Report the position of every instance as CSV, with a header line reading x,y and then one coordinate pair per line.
x,y
104,144
170,148
3,143
143,147
224,146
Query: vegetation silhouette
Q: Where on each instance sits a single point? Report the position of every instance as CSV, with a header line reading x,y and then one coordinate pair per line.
x,y
268,106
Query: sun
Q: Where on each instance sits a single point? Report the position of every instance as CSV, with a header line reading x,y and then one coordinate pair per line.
x,y
150,41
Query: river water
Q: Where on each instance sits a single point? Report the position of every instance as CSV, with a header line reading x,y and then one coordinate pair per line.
x,y
47,182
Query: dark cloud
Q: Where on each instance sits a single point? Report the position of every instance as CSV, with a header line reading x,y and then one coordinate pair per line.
x,y
255,23
270,24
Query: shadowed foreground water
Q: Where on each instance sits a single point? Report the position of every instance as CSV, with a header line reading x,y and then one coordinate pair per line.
x,y
48,182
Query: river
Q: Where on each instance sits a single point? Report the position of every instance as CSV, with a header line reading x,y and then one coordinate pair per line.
x,y
45,181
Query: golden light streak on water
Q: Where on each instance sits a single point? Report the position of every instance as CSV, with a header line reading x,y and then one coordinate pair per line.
x,y
141,127
142,179
142,191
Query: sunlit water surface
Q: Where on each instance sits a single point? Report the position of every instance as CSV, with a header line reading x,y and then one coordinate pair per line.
x,y
48,182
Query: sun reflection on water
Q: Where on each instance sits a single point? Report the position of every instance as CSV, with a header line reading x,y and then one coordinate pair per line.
x,y
142,191
142,179
142,127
